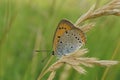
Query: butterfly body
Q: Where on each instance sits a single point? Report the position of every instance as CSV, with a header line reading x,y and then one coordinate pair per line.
x,y
67,38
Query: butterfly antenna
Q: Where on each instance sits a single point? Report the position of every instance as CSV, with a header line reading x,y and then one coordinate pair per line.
x,y
47,56
36,51
42,50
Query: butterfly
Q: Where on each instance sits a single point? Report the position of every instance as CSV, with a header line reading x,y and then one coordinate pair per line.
x,y
67,38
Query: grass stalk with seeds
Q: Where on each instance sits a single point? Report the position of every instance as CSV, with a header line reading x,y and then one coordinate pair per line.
x,y
76,59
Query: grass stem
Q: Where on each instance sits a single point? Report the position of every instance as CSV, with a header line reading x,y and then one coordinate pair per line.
x,y
43,72
113,56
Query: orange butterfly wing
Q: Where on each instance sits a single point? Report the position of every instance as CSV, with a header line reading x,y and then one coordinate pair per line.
x,y
82,35
63,26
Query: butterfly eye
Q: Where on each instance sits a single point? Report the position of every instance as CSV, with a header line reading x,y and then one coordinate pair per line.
x,y
53,53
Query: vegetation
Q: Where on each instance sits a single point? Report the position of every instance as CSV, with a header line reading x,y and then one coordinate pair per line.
x,y
29,25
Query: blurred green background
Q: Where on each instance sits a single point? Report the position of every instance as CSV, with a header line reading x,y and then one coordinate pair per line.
x,y
29,25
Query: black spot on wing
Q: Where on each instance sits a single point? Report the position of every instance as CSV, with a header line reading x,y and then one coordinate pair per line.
x,y
66,32
79,41
58,36
61,42
60,28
